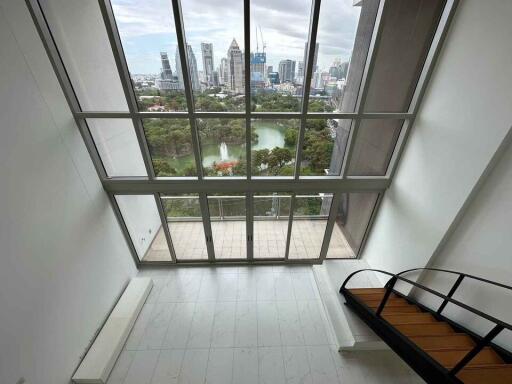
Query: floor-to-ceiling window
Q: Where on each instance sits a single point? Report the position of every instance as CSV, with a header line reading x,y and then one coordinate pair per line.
x,y
243,130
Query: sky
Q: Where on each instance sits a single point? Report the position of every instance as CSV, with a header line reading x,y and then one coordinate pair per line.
x,y
147,28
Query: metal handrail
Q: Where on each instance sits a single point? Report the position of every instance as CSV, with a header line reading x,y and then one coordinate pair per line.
x,y
486,340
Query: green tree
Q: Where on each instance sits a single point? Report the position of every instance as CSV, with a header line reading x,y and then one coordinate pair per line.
x,y
278,158
162,168
260,158
290,137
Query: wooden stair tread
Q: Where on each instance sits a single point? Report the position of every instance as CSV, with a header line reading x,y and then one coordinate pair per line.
x,y
409,318
375,296
398,310
488,374
450,358
391,302
425,329
437,338
357,291
456,340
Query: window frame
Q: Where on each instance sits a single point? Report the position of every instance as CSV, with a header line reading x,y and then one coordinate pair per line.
x,y
297,184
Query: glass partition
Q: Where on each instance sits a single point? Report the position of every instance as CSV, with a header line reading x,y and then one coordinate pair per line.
x,y
310,215
185,221
227,217
271,213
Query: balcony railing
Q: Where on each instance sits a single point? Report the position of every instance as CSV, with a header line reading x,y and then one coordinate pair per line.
x,y
265,207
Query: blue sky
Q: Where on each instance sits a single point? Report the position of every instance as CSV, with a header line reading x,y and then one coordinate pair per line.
x,y
147,27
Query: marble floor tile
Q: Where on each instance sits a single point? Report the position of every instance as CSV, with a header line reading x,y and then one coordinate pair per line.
x,y
243,325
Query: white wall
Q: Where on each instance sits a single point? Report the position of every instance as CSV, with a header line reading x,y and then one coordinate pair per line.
x,y
481,246
63,259
465,115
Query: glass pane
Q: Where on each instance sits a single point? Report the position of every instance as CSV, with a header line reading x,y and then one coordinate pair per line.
x,y
81,38
227,216
310,215
336,42
118,146
276,78
317,152
222,146
274,143
148,36
408,29
185,223
170,146
271,213
215,34
141,217
351,224
374,146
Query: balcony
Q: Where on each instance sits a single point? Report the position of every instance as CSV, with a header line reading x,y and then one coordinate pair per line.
x,y
228,225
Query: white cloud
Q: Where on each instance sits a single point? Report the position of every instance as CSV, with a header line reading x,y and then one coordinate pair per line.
x,y
284,24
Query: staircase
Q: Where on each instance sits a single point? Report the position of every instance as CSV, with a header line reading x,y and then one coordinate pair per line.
x,y
439,350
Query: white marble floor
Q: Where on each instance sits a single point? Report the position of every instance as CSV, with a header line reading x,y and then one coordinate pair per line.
x,y
259,324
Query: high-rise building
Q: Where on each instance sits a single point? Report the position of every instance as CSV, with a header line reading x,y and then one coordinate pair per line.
x,y
270,68
236,71
167,80
207,53
273,77
192,68
224,71
339,69
259,63
315,66
286,70
215,78
300,70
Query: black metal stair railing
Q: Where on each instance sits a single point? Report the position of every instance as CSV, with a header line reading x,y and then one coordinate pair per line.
x,y
482,343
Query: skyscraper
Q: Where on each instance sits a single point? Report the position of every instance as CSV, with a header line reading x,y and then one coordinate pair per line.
x,y
192,68
224,71
207,53
300,69
315,67
286,70
258,63
236,70
166,81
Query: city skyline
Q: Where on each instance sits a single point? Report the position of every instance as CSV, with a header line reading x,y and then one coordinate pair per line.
x,y
147,29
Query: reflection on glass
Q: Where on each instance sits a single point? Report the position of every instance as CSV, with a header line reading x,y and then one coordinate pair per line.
x,y
148,36
318,155
170,146
274,143
310,215
407,33
374,146
336,36
215,37
117,146
222,146
186,226
271,212
278,38
141,217
227,216
79,32
351,224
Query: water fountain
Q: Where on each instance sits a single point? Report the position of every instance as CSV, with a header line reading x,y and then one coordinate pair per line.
x,y
224,155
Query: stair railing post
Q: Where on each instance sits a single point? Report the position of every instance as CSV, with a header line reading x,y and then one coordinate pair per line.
x,y
389,288
478,347
450,294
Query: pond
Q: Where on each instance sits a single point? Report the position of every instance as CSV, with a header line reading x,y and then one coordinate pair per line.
x,y
270,135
